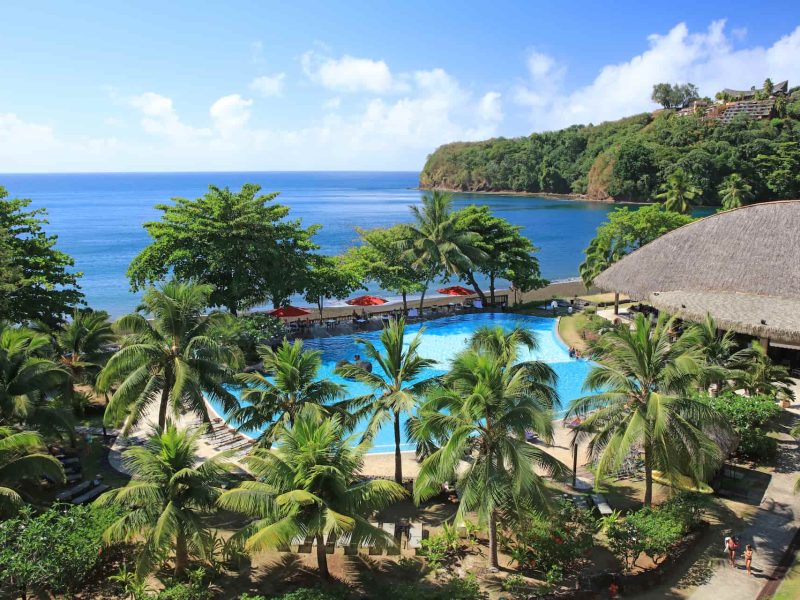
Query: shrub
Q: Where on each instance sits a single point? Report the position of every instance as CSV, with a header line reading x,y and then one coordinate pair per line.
x,y
311,594
748,415
55,551
561,539
441,547
194,589
253,330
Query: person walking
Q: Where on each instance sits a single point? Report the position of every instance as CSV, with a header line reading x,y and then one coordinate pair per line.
x,y
748,558
730,547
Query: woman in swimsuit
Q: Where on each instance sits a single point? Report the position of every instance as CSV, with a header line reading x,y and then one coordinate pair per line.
x,y
732,546
748,557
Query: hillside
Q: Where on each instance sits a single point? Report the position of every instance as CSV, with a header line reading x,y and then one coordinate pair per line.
x,y
631,158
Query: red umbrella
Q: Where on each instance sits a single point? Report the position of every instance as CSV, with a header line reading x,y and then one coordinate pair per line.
x,y
456,290
289,311
366,301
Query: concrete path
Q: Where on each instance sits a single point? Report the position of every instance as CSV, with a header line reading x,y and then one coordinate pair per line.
x,y
770,531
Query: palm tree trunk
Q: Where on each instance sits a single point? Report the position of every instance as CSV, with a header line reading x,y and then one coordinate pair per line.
x,y
422,299
162,409
648,477
322,559
493,562
616,303
491,287
398,459
405,304
181,555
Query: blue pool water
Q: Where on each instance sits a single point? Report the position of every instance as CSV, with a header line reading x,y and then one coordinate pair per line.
x,y
442,339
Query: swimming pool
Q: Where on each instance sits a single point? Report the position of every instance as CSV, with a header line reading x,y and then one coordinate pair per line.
x,y
442,339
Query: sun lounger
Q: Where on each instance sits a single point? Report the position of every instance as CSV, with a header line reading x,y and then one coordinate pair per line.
x,y
415,536
601,504
344,541
391,531
91,494
79,489
74,477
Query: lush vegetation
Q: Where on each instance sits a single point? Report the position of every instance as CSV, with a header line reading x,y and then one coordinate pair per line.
x,y
634,158
750,417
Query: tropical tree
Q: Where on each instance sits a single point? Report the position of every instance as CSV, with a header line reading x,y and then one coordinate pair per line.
x,y
331,277
39,280
735,192
23,456
166,501
272,400
28,379
483,409
396,384
645,404
755,372
238,241
679,193
437,244
716,349
172,359
381,258
311,486
81,348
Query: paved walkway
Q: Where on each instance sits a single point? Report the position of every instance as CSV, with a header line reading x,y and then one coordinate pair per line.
x,y
770,531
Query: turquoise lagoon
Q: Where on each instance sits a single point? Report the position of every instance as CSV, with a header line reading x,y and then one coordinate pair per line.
x,y
442,339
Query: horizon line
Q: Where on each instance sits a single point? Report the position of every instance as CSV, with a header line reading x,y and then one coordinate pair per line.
x,y
211,171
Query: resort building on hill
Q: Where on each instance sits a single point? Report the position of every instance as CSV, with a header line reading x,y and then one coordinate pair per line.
x,y
741,266
752,103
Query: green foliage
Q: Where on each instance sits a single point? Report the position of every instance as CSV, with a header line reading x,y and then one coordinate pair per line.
x,y
674,95
645,403
181,356
735,192
171,491
236,241
560,539
679,192
654,531
310,485
195,588
251,331
630,158
37,282
331,277
23,457
55,551
306,594
489,394
441,548
626,230
505,253
748,415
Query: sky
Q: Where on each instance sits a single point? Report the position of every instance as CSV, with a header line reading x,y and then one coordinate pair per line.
x,y
355,85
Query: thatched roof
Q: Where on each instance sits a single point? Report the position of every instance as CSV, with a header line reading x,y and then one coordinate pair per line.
x,y
742,266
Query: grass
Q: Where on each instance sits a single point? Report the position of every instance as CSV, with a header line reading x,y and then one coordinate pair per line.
x,y
607,298
575,329
790,587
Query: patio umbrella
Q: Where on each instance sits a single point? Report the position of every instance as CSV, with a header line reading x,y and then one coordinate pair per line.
x,y
366,301
289,311
456,290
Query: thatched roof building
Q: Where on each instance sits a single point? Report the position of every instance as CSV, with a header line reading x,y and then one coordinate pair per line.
x,y
742,266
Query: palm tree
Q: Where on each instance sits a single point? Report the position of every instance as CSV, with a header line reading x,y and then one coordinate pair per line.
x,y
483,409
27,378
436,241
395,385
757,374
81,346
172,359
735,192
22,456
715,348
679,192
165,502
310,485
645,404
274,404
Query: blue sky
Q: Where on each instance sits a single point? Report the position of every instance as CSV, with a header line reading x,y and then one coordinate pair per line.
x,y
157,86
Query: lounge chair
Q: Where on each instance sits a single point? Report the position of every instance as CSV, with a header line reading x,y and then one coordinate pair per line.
x,y
79,489
601,504
345,541
414,536
91,494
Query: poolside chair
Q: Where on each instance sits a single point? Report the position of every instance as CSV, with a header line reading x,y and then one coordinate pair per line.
x,y
391,531
414,536
369,545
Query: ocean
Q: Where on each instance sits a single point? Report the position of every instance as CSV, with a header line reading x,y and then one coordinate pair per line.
x,y
98,217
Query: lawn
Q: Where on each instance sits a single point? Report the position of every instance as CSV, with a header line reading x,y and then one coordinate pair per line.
x,y
607,298
790,587
575,330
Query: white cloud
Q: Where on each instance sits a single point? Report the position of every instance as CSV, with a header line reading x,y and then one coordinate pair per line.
x,y
490,108
332,103
708,59
268,85
230,113
160,118
348,74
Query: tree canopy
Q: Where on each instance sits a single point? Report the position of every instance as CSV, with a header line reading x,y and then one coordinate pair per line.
x,y
239,242
625,231
674,95
331,277
37,281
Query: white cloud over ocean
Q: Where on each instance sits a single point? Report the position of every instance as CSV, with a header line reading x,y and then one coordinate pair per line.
x,y
362,113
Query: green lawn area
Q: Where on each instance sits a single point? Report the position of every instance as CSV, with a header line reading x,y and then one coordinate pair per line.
x,y
575,329
606,298
790,587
